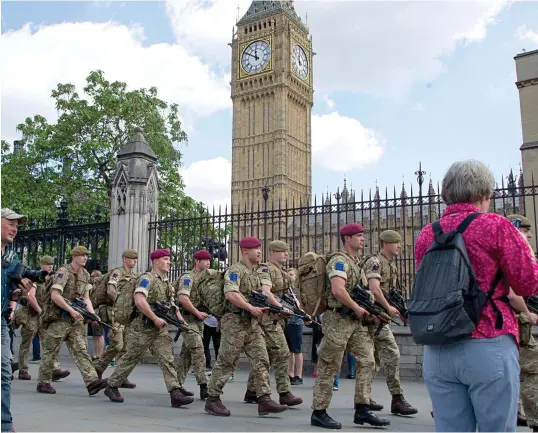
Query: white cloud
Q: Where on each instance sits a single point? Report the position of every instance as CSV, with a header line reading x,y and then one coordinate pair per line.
x,y
37,59
342,144
381,48
523,33
419,107
328,101
209,181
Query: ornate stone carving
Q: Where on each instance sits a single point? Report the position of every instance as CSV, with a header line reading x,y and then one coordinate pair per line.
x,y
121,194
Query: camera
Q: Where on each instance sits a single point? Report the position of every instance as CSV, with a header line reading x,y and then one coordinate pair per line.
x,y
20,272
216,249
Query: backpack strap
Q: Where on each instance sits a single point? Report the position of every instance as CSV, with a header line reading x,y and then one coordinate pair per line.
x,y
465,223
499,319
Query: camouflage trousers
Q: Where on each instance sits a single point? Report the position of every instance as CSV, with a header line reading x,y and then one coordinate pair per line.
x,y
159,343
192,352
238,334
528,361
74,335
343,334
118,343
28,331
278,351
386,350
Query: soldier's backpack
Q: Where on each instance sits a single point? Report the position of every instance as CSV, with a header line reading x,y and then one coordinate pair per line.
x,y
210,284
446,302
51,311
98,294
312,283
124,303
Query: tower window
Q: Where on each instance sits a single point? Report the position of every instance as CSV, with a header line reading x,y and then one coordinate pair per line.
x,y
254,27
246,30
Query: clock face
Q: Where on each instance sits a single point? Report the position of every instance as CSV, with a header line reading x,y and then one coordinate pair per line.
x,y
256,57
299,61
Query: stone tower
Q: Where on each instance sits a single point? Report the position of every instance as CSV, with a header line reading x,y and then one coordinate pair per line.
x,y
527,84
272,94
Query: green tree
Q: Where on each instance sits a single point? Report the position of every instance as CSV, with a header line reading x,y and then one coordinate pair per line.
x,y
76,157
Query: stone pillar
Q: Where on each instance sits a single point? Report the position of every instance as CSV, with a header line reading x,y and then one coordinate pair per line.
x,y
134,201
527,84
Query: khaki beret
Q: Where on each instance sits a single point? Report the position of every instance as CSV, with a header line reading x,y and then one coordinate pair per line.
x,y
79,250
390,236
525,222
130,254
278,246
46,260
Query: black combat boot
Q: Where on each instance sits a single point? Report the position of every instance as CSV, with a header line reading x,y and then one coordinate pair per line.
x,y
203,391
521,420
185,392
250,397
376,407
214,406
400,406
320,418
95,386
363,415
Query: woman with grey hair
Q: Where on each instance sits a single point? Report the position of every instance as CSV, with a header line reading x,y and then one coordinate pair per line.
x,y
474,382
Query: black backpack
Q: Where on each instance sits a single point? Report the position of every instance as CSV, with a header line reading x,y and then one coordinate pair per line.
x,y
446,301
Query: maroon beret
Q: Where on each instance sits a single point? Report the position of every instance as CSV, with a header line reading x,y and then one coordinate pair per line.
x,y
157,254
249,243
351,229
202,255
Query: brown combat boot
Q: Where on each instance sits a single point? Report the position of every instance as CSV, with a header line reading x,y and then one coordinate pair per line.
x,y
177,398
128,384
214,406
95,386
400,406
113,394
60,374
14,366
289,399
250,397
45,388
266,405
24,375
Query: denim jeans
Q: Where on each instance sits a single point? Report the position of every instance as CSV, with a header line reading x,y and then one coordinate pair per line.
x,y
350,364
474,383
7,421
36,349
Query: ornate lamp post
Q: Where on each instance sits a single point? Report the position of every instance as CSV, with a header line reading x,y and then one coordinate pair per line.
x,y
420,179
265,194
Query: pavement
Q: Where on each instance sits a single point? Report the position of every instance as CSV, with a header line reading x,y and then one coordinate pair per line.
x,y
147,408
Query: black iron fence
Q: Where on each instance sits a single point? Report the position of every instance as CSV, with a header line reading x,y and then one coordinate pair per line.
x,y
315,228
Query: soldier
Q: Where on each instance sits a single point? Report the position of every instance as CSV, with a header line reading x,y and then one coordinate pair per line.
x,y
63,323
241,330
118,335
275,282
345,333
151,287
192,350
28,317
382,275
528,351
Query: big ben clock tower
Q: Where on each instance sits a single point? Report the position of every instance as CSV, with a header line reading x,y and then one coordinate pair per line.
x,y
272,98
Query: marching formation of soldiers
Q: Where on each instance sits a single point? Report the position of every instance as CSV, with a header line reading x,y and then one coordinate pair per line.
x,y
244,327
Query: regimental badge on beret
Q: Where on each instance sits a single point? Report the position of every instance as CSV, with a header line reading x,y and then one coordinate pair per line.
x,y
233,276
144,283
339,265
187,282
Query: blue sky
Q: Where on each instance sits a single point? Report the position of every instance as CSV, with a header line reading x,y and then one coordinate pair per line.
x,y
436,89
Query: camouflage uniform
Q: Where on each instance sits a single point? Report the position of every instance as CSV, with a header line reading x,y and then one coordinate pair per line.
x,y
385,271
143,337
192,349
528,362
119,334
343,334
60,327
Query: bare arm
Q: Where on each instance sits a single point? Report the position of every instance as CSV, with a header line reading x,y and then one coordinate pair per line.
x,y
32,301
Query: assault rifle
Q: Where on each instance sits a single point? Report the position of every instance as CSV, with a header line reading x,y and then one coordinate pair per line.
x,y
167,312
532,304
361,296
396,299
79,305
259,299
202,308
291,303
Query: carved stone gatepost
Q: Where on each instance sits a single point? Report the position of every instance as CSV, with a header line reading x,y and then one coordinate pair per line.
x,y
135,201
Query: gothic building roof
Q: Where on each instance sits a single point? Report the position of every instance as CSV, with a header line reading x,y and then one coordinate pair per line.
x,y
260,9
137,145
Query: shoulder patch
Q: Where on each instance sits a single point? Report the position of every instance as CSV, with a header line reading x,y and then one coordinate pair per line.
x,y
187,282
375,265
339,265
60,275
233,276
144,283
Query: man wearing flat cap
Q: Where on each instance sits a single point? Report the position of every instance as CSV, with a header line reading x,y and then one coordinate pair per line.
x,y
275,282
192,349
28,317
114,281
150,332
345,332
528,350
241,330
382,275
63,323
